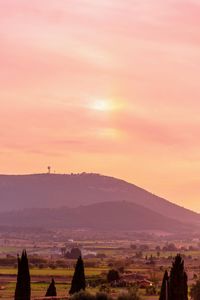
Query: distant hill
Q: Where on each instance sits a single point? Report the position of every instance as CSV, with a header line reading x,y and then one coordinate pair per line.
x,y
109,216
55,191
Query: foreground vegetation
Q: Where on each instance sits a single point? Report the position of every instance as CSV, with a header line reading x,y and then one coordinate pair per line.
x,y
140,265
174,285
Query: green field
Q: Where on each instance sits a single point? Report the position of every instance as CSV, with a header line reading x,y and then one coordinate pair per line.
x,y
54,272
41,278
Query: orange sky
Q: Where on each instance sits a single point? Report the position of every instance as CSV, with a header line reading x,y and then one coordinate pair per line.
x,y
107,86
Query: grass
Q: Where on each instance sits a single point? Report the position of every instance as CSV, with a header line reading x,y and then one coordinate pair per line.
x,y
54,272
38,290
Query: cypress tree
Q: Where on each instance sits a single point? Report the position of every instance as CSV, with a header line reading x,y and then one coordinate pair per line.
x,y
178,288
78,281
23,286
51,291
164,292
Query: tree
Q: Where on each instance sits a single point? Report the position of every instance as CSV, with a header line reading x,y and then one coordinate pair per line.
x,y
51,291
195,291
164,292
113,275
78,282
178,288
170,247
23,286
73,254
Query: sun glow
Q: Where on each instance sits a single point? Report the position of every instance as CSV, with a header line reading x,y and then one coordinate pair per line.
x,y
102,105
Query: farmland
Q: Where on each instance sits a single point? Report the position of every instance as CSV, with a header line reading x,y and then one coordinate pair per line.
x,y
137,260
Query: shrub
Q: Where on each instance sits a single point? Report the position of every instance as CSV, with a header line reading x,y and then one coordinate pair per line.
x,y
113,275
75,253
104,288
133,294
102,296
151,291
195,291
82,296
87,296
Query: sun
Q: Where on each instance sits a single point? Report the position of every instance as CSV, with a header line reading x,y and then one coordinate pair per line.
x,y
102,105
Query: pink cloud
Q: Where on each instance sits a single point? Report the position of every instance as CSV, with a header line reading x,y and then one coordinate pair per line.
x,y
57,55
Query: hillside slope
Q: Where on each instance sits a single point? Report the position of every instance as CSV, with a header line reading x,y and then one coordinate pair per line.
x,y
109,216
54,191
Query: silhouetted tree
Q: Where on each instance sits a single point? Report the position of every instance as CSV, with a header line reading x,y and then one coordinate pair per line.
x,y
178,288
51,291
78,282
164,292
23,286
113,275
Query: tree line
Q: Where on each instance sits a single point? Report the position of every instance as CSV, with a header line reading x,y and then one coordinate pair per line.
x,y
174,284
23,285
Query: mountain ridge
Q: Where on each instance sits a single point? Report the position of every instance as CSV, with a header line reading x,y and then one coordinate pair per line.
x,y
105,216
56,190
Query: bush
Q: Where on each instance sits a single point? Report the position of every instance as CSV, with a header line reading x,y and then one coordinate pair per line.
x,y
151,291
41,266
88,296
133,294
104,288
113,275
82,296
195,291
52,266
75,253
102,296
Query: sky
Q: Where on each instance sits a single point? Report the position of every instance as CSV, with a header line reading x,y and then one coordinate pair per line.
x,y
104,86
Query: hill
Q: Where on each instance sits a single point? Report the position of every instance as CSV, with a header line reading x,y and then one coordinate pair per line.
x,y
109,216
55,191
